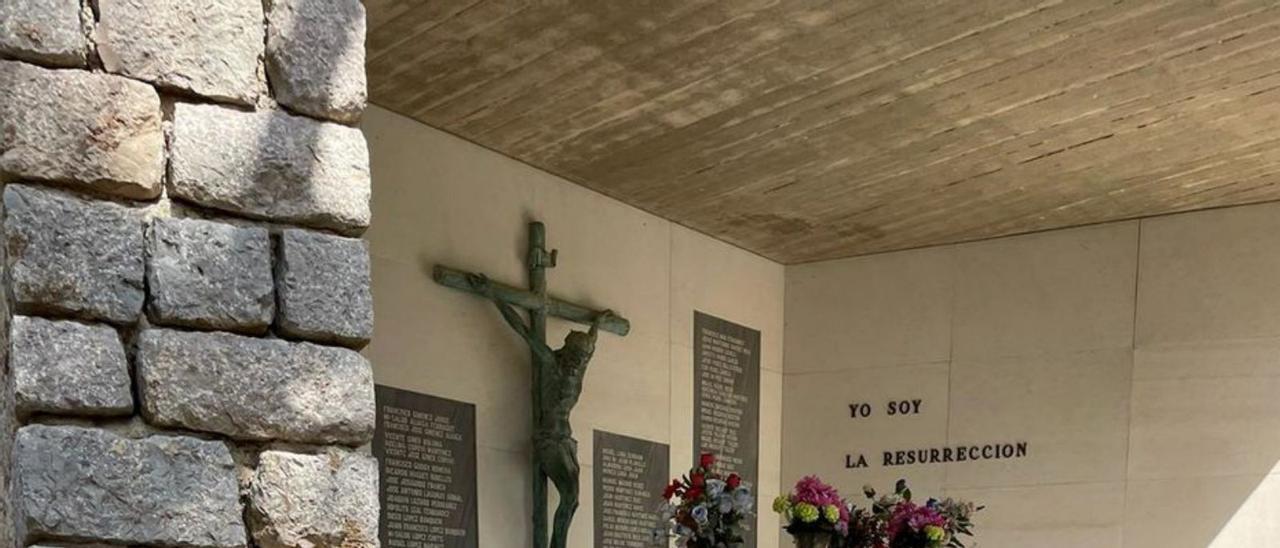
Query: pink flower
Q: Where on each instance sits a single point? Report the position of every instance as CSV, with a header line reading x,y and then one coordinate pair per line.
x,y
909,517
810,489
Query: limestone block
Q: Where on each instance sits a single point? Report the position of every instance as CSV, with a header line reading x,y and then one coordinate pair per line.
x,y
314,501
271,165
49,32
315,57
69,368
74,484
71,256
208,47
1208,277
206,274
325,288
94,131
1049,293
255,389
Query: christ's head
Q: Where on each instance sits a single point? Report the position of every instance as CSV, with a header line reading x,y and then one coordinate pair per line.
x,y
578,347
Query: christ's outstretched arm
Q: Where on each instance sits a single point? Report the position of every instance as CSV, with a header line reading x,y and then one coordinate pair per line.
x,y
514,320
595,325
481,284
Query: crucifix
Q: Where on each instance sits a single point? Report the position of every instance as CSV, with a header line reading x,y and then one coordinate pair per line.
x,y
557,374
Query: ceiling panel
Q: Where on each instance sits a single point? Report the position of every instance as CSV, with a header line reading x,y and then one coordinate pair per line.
x,y
816,130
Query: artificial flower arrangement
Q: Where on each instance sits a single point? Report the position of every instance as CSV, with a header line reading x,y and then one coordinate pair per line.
x,y
896,521
704,509
813,507
817,517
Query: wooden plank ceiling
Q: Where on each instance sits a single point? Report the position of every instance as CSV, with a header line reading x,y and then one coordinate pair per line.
x,y
815,130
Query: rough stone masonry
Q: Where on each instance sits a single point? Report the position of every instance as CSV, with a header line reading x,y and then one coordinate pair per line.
x,y
185,290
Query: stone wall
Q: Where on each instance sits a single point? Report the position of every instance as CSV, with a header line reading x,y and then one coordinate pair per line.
x,y
185,291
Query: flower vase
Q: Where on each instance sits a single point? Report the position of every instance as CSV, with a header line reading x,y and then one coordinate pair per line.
x,y
813,539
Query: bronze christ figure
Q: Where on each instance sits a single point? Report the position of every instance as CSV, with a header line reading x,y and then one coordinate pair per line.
x,y
557,375
561,373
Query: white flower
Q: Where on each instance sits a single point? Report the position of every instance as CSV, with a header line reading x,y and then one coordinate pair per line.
x,y
742,499
724,503
683,534
699,514
667,510
715,487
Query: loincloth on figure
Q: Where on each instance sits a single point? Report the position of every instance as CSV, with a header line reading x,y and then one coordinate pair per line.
x,y
554,442
558,456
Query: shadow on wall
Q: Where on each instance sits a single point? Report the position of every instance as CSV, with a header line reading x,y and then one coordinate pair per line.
x,y
307,165
315,71
1255,522
1234,498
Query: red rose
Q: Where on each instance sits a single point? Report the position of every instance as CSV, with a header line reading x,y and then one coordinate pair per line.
x,y
697,480
671,490
692,494
707,460
733,481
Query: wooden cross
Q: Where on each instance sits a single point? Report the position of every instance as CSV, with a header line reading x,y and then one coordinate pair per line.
x,y
554,454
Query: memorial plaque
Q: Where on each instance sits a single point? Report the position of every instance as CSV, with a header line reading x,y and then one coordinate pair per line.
x,y
426,449
726,397
630,474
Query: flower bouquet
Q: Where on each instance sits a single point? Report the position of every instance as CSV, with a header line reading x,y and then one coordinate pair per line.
x,y
896,521
704,509
815,513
